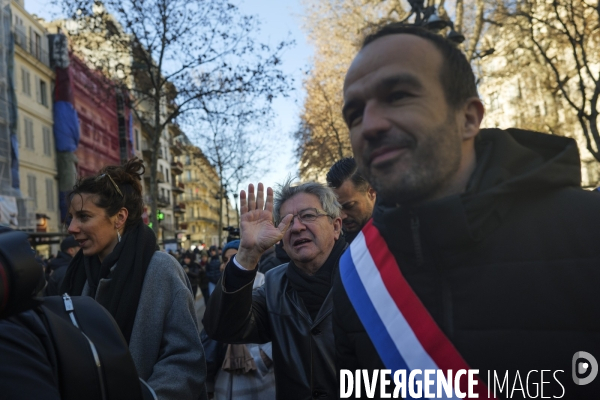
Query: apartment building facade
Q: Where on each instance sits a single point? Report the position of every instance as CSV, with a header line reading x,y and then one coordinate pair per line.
x,y
37,156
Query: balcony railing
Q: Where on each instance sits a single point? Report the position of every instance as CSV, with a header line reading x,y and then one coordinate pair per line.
x,y
177,167
30,46
163,201
21,38
178,188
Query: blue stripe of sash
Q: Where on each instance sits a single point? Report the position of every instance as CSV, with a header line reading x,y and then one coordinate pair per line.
x,y
369,317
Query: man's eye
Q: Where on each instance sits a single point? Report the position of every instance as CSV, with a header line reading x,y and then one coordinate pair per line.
x,y
395,96
354,118
308,216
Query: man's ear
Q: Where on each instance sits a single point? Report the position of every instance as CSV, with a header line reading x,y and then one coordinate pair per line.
x,y
371,194
121,215
473,112
337,227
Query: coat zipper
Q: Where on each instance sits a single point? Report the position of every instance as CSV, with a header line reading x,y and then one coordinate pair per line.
x,y
447,310
415,228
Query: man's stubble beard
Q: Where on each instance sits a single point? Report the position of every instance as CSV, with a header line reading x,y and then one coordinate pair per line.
x,y
436,159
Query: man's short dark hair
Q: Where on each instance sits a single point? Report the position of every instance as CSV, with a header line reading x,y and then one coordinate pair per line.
x,y
456,75
344,169
68,243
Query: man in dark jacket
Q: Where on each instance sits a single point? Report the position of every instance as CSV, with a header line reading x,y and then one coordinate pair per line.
x,y
293,308
355,195
213,270
483,249
58,266
273,257
192,269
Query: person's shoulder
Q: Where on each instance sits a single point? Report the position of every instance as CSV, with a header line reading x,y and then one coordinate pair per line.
x,y
575,199
276,273
163,264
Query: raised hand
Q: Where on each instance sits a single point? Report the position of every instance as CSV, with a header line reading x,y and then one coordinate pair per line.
x,y
257,232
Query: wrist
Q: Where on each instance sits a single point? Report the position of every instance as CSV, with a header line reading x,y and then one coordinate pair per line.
x,y
247,258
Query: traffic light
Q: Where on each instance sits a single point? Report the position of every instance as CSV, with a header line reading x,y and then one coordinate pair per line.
x,y
160,216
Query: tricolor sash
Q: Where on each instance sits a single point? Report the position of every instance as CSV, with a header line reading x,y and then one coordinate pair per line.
x,y
403,332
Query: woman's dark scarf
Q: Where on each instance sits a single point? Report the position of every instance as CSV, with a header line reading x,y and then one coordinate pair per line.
x,y
122,295
313,289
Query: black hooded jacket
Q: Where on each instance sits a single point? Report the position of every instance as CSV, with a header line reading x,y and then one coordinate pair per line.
x,y
509,270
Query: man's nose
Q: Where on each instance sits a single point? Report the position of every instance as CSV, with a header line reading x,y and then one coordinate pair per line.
x,y
374,120
343,215
297,225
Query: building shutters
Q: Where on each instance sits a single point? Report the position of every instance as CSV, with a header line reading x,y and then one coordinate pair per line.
x,y
32,189
50,194
47,141
29,143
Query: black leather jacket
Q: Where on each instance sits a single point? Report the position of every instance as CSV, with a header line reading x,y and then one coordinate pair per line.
x,y
303,349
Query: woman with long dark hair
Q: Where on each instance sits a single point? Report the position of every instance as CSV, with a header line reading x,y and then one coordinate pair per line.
x,y
144,289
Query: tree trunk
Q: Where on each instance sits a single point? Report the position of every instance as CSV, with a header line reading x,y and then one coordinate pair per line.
x,y
154,164
476,30
220,196
458,24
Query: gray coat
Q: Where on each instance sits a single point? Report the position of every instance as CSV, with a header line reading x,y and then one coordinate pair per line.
x,y
165,342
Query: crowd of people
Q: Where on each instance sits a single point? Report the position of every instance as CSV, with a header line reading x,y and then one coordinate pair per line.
x,y
439,246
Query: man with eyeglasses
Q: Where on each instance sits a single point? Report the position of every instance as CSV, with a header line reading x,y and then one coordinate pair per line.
x,y
293,309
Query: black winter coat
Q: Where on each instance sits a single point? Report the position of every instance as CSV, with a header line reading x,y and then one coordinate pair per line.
x,y
59,266
193,272
213,269
29,363
303,349
509,270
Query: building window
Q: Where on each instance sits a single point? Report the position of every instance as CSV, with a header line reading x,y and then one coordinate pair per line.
x,y
28,133
38,46
168,173
32,189
26,81
50,194
47,141
43,93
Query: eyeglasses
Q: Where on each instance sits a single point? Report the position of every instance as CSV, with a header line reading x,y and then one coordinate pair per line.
x,y
308,215
112,181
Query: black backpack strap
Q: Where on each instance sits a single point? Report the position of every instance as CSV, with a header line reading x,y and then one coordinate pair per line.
x,y
107,360
77,371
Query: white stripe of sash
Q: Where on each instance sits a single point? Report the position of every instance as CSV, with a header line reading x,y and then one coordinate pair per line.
x,y
396,325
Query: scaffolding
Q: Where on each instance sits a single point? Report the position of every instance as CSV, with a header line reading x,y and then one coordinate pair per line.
x,y
5,142
14,209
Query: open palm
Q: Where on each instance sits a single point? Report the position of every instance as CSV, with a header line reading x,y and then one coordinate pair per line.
x,y
257,232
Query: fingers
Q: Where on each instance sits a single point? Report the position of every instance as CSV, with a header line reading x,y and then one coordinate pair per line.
x,y
285,223
250,202
260,196
269,203
251,198
243,203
